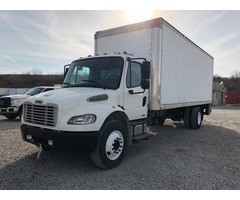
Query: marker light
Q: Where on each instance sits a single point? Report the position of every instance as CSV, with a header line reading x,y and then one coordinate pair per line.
x,y
14,102
50,142
29,137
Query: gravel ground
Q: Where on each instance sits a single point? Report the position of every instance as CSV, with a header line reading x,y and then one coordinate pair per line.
x,y
174,158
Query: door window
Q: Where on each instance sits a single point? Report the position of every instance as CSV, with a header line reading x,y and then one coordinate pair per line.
x,y
134,75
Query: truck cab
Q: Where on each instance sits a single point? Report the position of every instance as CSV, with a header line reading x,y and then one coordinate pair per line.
x,y
122,75
101,107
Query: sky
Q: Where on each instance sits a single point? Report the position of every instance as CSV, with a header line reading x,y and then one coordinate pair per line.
x,y
44,41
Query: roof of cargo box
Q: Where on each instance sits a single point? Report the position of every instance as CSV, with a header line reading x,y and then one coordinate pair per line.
x,y
131,27
153,23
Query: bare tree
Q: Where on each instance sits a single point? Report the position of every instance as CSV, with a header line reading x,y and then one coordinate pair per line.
x,y
235,75
34,72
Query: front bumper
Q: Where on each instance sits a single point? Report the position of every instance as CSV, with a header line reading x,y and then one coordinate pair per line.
x,y
60,140
9,110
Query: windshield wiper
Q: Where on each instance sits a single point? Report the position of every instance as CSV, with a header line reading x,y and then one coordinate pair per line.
x,y
99,84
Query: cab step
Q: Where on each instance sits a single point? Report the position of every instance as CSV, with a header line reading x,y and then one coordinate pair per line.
x,y
143,136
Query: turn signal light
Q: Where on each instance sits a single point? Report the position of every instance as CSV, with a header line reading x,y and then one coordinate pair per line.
x,y
29,137
50,142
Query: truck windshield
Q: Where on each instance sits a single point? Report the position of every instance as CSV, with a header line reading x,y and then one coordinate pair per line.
x,y
95,72
34,91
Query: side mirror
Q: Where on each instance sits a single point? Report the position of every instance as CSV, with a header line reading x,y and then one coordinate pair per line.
x,y
66,68
146,70
145,75
145,84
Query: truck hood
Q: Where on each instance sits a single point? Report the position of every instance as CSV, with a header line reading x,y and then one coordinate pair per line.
x,y
18,96
74,96
75,101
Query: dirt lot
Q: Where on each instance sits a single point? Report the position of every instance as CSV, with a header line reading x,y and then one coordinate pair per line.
x,y
175,158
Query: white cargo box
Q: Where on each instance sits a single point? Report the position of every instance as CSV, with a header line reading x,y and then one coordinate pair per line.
x,y
181,72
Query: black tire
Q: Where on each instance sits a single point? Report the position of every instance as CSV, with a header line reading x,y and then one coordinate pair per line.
x,y
196,118
11,116
209,109
187,117
20,113
111,145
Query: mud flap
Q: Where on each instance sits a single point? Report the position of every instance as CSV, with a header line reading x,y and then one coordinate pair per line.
x,y
40,151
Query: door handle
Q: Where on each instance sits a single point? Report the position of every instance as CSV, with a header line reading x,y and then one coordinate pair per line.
x,y
144,101
132,92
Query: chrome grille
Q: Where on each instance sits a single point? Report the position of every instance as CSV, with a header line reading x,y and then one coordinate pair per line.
x,y
39,114
5,102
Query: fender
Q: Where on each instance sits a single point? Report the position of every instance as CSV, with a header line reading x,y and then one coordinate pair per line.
x,y
122,116
102,110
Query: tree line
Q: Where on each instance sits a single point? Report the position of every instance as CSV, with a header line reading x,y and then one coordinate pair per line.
x,y
232,84
32,80
29,80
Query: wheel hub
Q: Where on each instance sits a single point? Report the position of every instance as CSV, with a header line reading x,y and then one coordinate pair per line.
x,y
114,145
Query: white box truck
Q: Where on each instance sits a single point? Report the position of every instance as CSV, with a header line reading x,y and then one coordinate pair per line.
x,y
140,75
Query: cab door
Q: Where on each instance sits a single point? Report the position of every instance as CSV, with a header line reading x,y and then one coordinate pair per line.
x,y
135,98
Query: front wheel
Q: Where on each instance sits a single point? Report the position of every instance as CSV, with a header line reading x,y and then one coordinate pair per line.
x,y
20,113
11,116
111,146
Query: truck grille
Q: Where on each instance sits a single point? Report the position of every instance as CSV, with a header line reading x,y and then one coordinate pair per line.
x,y
38,114
5,102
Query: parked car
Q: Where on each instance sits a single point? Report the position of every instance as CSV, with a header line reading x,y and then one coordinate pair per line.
x,y
11,105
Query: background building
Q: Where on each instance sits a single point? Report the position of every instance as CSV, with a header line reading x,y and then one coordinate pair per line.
x,y
233,98
219,93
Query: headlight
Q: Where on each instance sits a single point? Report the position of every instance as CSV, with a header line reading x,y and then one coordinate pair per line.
x,y
82,119
14,102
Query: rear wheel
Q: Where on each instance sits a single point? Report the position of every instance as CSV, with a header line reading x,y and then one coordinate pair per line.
x,y
209,109
111,146
196,118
